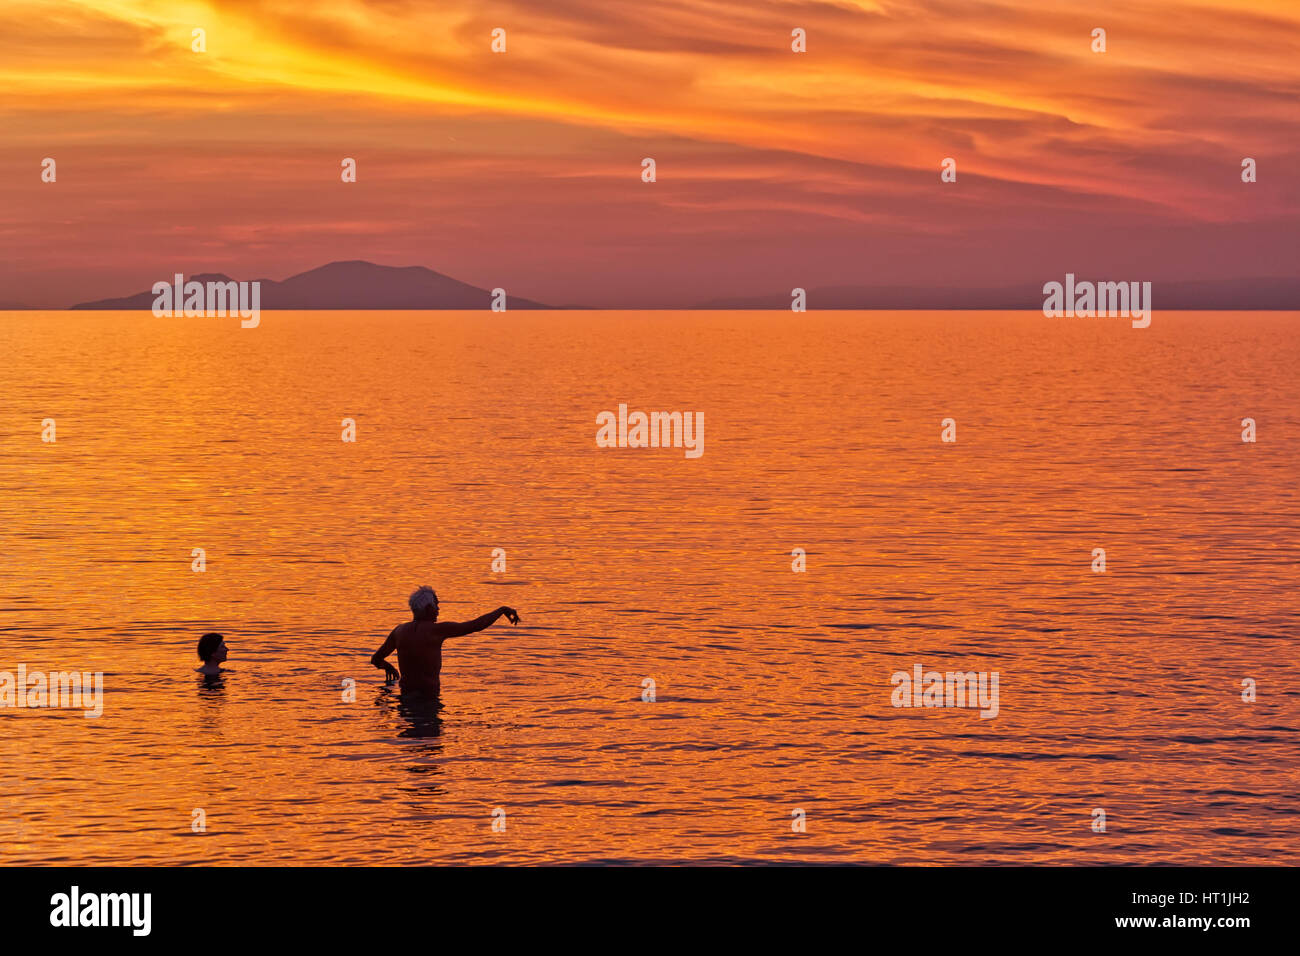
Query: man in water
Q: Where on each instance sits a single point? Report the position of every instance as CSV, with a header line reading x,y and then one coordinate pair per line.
x,y
212,652
419,642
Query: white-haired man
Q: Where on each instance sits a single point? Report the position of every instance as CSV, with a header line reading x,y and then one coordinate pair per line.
x,y
418,642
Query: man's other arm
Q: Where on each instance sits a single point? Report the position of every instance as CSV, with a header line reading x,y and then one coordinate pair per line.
x,y
378,657
460,629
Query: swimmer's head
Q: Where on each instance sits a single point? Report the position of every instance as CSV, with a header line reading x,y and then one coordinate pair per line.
x,y
424,604
212,649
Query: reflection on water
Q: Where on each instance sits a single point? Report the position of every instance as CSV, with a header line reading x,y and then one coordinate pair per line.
x,y
212,704
417,715
1120,691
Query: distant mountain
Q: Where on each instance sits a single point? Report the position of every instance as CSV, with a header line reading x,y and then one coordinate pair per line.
x,y
348,285
1280,294
364,285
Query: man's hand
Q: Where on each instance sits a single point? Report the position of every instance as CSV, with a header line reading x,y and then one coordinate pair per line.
x,y
511,614
378,658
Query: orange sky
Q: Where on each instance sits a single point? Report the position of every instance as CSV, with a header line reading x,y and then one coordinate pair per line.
x,y
522,169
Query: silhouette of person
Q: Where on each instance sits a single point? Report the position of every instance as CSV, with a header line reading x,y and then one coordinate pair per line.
x,y
418,642
212,652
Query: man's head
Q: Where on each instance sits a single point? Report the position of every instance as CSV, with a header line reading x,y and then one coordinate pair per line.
x,y
424,604
212,648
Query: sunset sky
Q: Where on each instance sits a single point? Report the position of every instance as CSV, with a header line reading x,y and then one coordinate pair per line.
x,y
523,169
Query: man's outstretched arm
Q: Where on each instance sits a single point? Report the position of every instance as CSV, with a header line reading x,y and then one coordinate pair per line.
x,y
454,629
378,657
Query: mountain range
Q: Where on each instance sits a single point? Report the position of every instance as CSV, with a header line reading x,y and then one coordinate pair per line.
x,y
348,285
360,285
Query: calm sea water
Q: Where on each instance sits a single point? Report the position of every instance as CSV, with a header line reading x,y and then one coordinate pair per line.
x,y
1120,691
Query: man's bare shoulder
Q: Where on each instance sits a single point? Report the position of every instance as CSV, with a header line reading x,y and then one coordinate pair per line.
x,y
423,630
